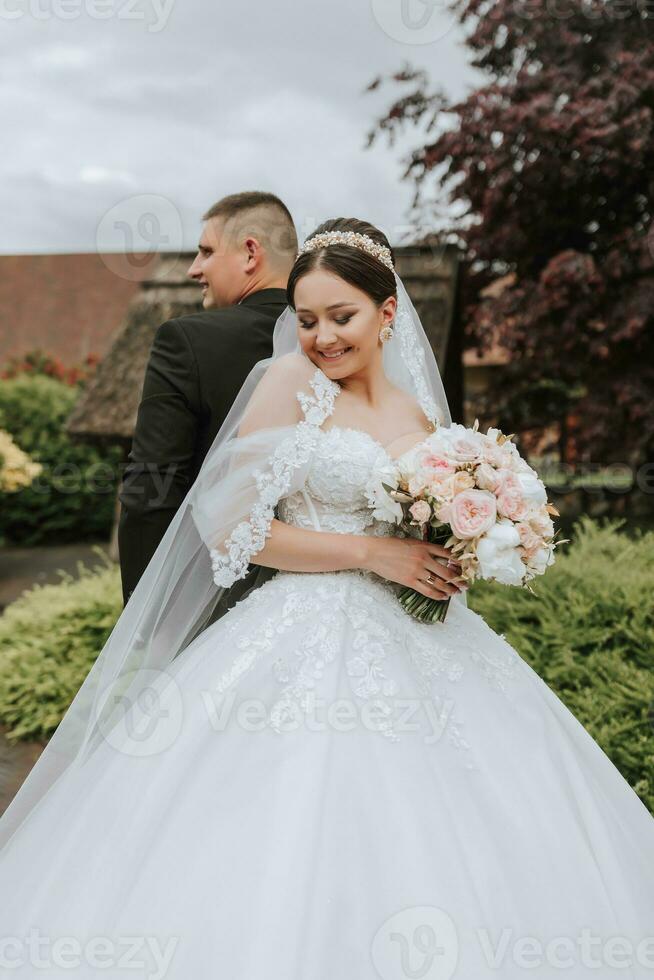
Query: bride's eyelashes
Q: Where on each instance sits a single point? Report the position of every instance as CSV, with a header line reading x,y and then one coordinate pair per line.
x,y
341,320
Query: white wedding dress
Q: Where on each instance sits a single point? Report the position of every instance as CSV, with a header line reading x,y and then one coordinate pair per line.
x,y
322,788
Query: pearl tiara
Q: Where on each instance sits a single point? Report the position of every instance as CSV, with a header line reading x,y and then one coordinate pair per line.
x,y
353,238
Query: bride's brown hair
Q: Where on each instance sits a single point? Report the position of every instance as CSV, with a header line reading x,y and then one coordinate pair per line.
x,y
351,264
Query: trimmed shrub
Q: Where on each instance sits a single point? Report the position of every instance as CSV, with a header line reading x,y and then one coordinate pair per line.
x,y
73,499
49,639
589,633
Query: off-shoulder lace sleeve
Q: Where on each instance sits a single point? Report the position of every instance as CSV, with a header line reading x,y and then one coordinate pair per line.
x,y
283,473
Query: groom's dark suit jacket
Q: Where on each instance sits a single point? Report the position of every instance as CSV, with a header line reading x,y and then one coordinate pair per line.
x,y
197,365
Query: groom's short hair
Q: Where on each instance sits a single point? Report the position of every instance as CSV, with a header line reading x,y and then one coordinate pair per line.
x,y
263,215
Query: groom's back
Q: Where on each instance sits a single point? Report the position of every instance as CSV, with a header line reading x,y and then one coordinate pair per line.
x,y
226,344
196,368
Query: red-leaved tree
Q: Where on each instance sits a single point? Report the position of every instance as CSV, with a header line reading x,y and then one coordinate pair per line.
x,y
549,171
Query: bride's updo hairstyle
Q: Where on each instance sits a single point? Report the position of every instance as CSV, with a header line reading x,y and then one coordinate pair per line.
x,y
348,262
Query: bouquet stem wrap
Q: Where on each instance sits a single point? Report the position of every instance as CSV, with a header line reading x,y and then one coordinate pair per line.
x,y
421,606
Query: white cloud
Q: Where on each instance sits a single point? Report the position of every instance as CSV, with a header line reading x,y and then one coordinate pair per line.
x,y
60,57
223,98
100,175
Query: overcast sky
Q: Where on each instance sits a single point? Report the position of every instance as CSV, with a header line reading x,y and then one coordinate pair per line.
x,y
124,119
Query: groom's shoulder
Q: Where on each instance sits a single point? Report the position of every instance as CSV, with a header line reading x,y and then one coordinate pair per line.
x,y
215,323
213,334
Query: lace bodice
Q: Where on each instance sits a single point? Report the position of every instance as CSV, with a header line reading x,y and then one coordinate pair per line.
x,y
337,464
334,494
334,497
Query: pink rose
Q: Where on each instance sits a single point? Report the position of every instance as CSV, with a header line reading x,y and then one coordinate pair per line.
x,y
510,497
510,503
420,511
447,487
442,487
492,454
471,513
528,539
486,476
466,450
542,524
462,481
506,479
434,461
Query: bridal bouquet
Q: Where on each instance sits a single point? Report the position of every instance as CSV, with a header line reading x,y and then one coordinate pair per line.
x,y
476,494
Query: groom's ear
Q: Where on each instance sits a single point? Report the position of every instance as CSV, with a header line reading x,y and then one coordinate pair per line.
x,y
254,249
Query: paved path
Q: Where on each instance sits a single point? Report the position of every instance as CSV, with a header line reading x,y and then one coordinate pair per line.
x,y
16,760
20,568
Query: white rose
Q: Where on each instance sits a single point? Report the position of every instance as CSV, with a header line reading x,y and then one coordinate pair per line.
x,y
434,442
511,458
498,556
524,467
461,444
542,558
533,489
493,455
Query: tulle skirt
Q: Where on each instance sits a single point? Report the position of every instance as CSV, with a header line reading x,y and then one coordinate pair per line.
x,y
321,788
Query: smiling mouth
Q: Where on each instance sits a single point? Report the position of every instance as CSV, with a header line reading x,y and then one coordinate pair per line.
x,y
335,355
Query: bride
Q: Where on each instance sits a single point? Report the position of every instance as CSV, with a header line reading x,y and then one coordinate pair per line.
x,y
317,786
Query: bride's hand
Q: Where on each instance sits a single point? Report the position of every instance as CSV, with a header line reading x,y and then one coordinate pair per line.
x,y
410,562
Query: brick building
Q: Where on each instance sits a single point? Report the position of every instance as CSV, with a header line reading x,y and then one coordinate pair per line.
x,y
68,306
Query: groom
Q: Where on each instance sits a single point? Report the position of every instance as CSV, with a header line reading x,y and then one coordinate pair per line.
x,y
198,363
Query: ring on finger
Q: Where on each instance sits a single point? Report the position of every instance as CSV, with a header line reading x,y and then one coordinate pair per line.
x,y
429,580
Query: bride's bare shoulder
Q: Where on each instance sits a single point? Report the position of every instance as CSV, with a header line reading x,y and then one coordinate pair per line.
x,y
285,375
291,367
410,410
274,400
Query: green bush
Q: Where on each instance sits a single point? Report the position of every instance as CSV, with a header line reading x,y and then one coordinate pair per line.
x,y
49,640
589,633
74,497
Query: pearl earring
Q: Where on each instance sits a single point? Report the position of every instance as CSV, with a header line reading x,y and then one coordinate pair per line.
x,y
385,333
